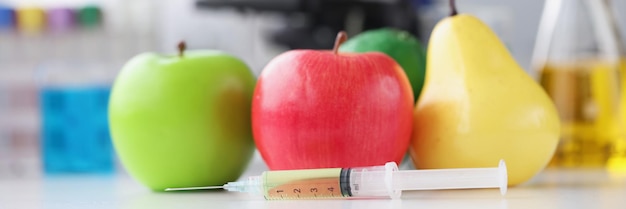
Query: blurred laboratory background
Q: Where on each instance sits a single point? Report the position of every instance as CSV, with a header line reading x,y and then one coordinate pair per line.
x,y
58,58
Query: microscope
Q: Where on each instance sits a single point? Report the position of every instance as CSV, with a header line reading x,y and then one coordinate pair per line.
x,y
313,24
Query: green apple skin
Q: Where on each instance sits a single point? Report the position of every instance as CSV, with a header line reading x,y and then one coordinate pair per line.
x,y
183,121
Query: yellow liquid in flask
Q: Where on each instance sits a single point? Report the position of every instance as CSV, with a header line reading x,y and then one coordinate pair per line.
x,y
617,160
587,96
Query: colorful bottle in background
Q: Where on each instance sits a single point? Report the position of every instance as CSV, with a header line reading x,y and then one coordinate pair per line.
x,y
17,123
7,35
61,34
31,19
91,31
7,18
31,25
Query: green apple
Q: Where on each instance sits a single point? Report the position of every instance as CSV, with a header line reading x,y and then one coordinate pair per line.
x,y
403,47
183,120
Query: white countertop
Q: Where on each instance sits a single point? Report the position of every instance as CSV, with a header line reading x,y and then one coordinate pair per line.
x,y
551,189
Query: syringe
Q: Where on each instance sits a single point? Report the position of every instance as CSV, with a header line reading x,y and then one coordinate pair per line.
x,y
366,182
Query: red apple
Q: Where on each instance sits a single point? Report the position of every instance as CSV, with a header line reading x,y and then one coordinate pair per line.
x,y
323,109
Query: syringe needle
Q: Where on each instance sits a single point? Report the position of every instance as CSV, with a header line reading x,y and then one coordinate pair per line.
x,y
193,188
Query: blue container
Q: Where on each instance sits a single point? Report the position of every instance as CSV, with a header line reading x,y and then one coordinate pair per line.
x,y
7,17
75,132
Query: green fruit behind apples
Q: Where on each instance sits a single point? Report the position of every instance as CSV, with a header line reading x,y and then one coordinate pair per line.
x,y
400,45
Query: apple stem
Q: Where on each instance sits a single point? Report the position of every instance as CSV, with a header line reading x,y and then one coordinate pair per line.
x,y
453,11
341,37
181,48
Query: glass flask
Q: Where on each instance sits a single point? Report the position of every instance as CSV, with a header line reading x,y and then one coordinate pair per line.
x,y
577,58
617,159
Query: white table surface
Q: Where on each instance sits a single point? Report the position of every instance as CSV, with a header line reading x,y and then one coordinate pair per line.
x,y
551,189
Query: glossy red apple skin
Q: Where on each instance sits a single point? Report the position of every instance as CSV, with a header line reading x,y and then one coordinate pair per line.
x,y
318,109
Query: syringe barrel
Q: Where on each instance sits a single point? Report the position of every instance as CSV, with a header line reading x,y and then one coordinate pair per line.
x,y
463,178
368,182
388,181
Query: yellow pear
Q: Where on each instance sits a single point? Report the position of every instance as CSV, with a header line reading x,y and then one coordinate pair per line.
x,y
479,106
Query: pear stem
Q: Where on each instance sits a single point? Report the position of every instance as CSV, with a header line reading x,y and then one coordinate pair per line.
x,y
341,37
182,46
453,11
